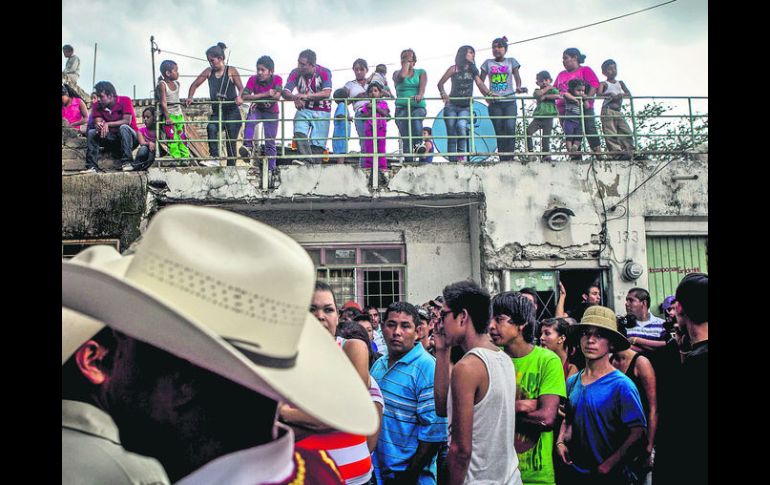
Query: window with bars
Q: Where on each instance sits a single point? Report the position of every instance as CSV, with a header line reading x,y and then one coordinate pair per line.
x,y
367,274
71,247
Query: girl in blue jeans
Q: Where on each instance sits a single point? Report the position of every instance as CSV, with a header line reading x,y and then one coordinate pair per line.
x,y
457,105
505,82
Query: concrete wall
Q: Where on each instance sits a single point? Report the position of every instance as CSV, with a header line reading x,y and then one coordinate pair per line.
x,y
438,249
493,215
104,206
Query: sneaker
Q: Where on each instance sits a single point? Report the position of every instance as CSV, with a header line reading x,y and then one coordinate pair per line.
x,y
297,162
244,153
127,167
89,171
210,163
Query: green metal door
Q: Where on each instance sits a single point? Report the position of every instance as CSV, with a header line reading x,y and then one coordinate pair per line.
x,y
669,259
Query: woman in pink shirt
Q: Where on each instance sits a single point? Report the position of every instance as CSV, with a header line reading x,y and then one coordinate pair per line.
x,y
73,109
572,60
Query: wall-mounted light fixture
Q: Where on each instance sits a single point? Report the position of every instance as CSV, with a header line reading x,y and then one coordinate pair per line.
x,y
557,218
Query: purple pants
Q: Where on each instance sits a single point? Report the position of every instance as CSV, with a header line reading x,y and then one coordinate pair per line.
x,y
270,121
368,145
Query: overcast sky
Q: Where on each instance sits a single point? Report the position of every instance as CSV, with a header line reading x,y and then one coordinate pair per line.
x,y
660,52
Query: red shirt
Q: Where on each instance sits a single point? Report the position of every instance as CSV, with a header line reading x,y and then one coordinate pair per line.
x,y
121,107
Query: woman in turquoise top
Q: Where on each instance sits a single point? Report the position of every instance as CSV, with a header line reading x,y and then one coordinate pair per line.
x,y
410,88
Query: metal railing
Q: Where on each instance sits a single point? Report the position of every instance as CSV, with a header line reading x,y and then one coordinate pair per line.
x,y
658,127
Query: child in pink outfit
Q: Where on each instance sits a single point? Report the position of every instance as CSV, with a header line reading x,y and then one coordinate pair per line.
x,y
375,90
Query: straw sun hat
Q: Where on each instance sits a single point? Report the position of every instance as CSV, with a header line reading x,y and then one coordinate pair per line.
x,y
228,294
602,317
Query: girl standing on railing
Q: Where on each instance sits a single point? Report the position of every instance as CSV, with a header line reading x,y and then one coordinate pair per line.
x,y
572,60
382,113
505,82
171,109
457,111
410,86
226,87
267,87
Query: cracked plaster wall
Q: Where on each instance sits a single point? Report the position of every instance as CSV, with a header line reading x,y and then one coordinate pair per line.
x,y
437,241
515,196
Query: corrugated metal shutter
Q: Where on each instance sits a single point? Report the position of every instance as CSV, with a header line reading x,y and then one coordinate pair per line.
x,y
669,259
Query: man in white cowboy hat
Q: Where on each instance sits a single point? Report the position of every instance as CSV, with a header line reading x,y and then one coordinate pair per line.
x,y
212,328
605,421
91,449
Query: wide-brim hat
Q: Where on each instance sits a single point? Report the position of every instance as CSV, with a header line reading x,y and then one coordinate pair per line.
x,y
602,317
228,294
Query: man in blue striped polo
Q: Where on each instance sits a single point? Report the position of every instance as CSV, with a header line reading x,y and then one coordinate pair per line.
x,y
411,431
649,333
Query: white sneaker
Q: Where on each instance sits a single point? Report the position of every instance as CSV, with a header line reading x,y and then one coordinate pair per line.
x,y
297,162
127,167
89,171
210,163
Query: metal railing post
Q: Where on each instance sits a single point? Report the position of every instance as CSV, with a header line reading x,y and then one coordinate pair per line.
x,y
283,130
409,127
375,159
472,143
524,120
692,125
219,134
633,125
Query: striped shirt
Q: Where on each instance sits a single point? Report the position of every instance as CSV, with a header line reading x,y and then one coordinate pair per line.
x,y
349,451
651,329
409,415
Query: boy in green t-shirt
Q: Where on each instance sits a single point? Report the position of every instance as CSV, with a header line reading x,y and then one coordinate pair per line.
x,y
544,113
539,385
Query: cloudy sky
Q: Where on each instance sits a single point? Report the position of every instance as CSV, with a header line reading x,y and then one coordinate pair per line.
x,y
660,52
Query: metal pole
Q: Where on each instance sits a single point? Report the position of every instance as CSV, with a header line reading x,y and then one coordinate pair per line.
x,y
472,144
134,98
375,159
93,80
283,131
633,124
219,135
692,127
152,56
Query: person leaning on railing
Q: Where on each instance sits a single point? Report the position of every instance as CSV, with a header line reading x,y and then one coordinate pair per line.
x,y
457,111
572,60
410,86
222,87
314,86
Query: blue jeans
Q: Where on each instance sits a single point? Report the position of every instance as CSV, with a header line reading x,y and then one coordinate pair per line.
x,y
504,127
231,130
313,126
403,127
121,143
457,119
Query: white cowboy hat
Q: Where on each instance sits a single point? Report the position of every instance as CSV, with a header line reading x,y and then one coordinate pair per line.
x,y
230,295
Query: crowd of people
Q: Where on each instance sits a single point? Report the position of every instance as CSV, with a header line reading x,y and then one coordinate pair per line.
x,y
569,97
179,366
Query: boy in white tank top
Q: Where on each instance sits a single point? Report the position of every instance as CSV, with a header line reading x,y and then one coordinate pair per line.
x,y
479,397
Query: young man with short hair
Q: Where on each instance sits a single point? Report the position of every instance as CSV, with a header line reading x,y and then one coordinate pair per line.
x,y
72,69
649,331
605,424
479,394
314,86
114,127
539,385
411,431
